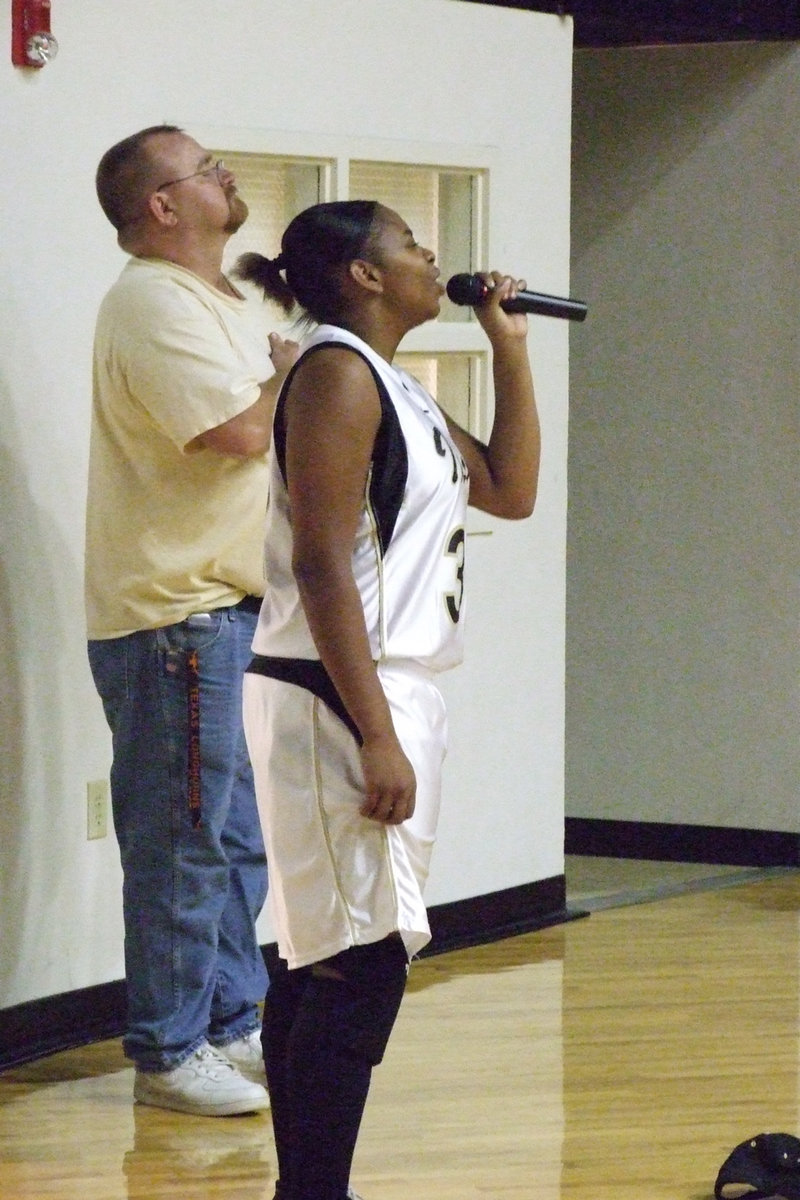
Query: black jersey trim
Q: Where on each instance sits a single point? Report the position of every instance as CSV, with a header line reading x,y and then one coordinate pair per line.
x,y
389,453
306,673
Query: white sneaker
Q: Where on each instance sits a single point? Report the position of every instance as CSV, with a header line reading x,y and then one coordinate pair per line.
x,y
207,1084
247,1056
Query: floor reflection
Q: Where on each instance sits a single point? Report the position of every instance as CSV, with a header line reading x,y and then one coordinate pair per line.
x,y
618,1057
177,1155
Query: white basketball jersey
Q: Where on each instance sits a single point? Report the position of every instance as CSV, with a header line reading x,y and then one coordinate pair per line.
x,y
408,557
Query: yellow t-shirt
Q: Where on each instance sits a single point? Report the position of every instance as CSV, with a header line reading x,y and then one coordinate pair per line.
x,y
171,532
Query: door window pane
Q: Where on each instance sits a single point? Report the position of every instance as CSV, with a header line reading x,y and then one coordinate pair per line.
x,y
275,190
450,378
438,205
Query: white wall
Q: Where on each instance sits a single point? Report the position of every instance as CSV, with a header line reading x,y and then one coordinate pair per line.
x,y
433,70
683,662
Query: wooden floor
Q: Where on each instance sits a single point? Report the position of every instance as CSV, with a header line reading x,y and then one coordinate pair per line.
x,y
616,1057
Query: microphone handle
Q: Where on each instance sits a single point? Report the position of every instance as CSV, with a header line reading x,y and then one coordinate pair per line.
x,y
546,306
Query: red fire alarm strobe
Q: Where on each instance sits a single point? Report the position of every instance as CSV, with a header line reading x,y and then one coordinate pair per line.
x,y
32,43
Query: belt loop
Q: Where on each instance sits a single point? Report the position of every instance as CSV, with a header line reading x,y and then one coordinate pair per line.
x,y
193,763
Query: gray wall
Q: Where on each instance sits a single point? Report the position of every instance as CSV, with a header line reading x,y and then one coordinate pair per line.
x,y
683,550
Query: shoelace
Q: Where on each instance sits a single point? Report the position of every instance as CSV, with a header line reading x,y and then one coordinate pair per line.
x,y
208,1055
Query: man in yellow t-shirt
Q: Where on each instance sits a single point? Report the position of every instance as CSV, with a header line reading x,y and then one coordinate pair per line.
x,y
184,385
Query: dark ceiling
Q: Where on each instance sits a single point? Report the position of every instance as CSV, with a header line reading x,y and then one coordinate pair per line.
x,y
648,22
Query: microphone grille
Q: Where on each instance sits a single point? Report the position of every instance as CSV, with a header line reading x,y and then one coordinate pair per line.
x,y
466,289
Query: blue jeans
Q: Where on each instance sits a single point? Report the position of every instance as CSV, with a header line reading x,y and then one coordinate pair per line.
x,y
185,816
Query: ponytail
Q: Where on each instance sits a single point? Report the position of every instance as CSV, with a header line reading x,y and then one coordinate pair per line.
x,y
316,250
266,274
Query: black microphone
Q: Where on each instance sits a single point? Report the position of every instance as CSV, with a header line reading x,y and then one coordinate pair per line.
x,y
471,290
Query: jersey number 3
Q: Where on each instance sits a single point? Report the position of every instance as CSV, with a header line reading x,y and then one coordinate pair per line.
x,y
455,549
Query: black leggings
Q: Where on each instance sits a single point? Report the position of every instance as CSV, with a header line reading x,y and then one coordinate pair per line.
x,y
325,1027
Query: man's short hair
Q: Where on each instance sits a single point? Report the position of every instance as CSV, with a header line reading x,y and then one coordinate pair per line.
x,y
123,172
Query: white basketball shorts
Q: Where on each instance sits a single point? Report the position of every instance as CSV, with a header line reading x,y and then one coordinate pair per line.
x,y
337,879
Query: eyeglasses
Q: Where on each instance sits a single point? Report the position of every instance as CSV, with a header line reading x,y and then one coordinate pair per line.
x,y
218,168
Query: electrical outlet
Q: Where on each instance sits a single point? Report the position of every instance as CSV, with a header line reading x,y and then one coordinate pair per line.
x,y
97,809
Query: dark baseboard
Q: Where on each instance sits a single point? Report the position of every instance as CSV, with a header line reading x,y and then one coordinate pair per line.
x,y
681,843
40,1027
484,919
54,1023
